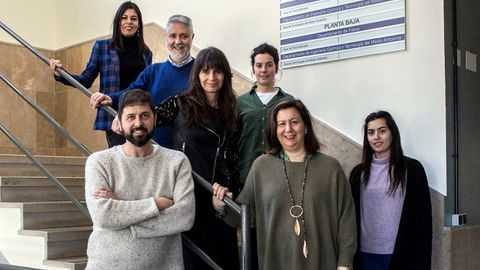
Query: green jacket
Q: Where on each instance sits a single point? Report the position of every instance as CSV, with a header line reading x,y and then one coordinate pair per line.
x,y
253,118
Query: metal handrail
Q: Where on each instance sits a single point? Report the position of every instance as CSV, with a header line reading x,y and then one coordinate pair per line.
x,y
61,71
205,184
188,243
242,210
45,171
50,119
245,215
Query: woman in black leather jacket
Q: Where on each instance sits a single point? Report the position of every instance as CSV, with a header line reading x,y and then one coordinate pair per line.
x,y
203,121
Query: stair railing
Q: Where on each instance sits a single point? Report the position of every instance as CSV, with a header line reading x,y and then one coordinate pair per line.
x,y
242,210
47,117
61,71
45,170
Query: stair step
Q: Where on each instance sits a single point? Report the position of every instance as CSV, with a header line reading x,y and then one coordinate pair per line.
x,y
63,242
38,188
58,165
74,263
39,215
58,227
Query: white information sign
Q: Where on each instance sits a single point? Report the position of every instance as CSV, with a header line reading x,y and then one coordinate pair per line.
x,y
315,31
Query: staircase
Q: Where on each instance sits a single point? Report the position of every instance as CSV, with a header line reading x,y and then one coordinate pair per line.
x,y
39,226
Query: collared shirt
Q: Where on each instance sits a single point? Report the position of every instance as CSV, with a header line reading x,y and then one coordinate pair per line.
x,y
253,117
182,63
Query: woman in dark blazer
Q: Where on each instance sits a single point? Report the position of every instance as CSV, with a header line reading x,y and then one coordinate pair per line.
x,y
204,121
118,60
392,201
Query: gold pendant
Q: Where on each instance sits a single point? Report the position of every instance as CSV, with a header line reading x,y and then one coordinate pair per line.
x,y
296,211
296,227
305,249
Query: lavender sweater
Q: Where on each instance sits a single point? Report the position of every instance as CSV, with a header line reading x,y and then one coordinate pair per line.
x,y
379,213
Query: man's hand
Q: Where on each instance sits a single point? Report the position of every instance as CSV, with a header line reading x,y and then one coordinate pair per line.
x,y
116,126
104,193
163,203
100,98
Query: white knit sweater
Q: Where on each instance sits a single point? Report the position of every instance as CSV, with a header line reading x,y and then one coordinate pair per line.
x,y
130,232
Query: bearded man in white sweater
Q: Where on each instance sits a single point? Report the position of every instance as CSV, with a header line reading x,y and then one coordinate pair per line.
x,y
139,195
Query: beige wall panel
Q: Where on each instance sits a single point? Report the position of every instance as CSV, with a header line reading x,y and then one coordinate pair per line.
x,y
6,62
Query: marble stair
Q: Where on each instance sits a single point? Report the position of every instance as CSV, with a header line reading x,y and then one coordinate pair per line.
x,y
40,227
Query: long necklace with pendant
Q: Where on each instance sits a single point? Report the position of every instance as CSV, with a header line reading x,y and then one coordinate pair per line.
x,y
296,211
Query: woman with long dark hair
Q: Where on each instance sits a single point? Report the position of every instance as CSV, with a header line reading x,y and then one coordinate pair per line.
x,y
203,120
118,60
392,201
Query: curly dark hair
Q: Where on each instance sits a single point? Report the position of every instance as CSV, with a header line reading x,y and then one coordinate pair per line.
x,y
268,49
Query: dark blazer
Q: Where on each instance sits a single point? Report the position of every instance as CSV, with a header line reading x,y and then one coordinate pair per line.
x,y
413,245
103,60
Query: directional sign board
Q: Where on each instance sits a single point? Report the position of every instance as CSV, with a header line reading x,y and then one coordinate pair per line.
x,y
315,31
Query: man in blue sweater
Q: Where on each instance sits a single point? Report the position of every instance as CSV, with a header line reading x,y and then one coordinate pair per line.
x,y
162,79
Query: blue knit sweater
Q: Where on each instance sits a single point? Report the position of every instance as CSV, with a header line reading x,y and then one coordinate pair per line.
x,y
162,80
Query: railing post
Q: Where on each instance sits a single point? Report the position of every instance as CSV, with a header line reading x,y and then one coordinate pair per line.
x,y
245,214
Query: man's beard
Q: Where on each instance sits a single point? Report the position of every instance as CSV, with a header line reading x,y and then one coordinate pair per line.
x,y
179,55
139,141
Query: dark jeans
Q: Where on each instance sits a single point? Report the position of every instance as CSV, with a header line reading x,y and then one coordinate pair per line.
x,y
369,261
114,138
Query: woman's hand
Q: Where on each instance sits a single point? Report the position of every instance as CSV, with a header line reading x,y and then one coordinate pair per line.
x,y
116,127
100,98
54,64
219,193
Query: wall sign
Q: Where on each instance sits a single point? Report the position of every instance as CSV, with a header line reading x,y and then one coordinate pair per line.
x,y
315,31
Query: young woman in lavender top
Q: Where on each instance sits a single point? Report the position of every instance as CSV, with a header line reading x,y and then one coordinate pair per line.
x,y
392,201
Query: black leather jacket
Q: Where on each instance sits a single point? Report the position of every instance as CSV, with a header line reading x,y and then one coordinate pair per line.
x,y
212,151
214,156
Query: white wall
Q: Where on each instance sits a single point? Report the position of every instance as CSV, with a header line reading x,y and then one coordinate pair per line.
x,y
410,84
32,20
